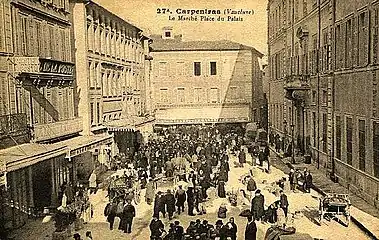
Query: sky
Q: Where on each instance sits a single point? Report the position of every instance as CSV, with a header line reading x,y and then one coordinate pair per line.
x,y
251,31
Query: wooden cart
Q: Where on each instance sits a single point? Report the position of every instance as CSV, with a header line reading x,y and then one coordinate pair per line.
x,y
121,187
335,206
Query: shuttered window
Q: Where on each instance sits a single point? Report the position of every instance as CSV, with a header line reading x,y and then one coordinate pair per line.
x,y
363,38
338,137
375,145
374,35
348,47
362,144
349,140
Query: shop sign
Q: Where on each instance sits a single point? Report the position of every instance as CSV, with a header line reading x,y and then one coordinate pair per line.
x,y
51,66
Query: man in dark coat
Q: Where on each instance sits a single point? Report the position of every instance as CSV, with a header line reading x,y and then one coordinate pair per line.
x,y
156,229
170,203
180,196
129,213
157,204
257,205
110,211
242,157
308,181
190,201
284,202
232,229
179,231
251,229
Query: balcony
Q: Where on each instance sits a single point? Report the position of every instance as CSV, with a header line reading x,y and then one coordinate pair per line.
x,y
44,132
43,72
14,129
296,87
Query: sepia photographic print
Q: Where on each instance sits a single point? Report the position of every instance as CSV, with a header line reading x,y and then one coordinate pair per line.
x,y
189,120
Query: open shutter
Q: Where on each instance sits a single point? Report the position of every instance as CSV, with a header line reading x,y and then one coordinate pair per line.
x,y
355,41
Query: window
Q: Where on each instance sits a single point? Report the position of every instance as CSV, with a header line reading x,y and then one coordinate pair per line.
x,y
98,112
180,67
23,35
339,56
375,145
349,140
198,95
324,97
314,96
214,95
363,39
164,95
197,68
213,68
326,53
181,95
163,71
324,132
374,32
233,93
362,144
338,137
91,112
39,39
349,46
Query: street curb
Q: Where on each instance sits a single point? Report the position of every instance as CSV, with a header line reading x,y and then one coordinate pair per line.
x,y
320,191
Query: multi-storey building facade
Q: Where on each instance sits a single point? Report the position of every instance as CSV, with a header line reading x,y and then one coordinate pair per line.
x,y
204,81
112,91
323,85
41,146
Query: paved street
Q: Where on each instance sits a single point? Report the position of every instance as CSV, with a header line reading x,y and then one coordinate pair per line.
x,y
307,204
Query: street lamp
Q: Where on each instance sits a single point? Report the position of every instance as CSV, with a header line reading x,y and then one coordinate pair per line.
x,y
293,143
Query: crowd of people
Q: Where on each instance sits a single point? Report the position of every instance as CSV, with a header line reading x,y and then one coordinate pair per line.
x,y
199,229
196,159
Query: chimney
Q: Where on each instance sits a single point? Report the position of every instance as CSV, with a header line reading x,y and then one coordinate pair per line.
x,y
167,33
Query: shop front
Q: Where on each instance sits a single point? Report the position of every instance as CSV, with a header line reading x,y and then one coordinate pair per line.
x,y
86,154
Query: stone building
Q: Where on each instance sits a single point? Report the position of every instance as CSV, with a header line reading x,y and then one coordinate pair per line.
x,y
112,90
204,81
323,86
40,130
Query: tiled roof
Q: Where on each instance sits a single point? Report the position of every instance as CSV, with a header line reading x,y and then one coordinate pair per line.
x,y
160,45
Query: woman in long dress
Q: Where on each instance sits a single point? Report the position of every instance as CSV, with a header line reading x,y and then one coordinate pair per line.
x,y
221,189
150,191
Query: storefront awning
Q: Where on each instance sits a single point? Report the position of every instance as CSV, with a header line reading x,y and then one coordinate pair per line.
x,y
25,155
123,125
78,145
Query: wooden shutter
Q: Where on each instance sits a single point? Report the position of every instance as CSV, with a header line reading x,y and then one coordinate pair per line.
x,y
374,36
355,40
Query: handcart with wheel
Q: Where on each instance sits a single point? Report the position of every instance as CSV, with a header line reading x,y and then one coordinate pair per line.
x,y
335,207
